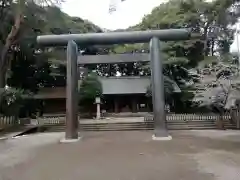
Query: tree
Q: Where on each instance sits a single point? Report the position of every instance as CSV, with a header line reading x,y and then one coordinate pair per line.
x,y
28,70
211,19
90,88
170,87
12,100
39,20
15,12
23,64
220,94
176,88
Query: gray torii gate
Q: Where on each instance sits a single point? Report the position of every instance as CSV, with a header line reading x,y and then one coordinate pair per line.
x,y
153,36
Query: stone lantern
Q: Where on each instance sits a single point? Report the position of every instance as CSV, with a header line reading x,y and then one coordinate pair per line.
x,y
98,102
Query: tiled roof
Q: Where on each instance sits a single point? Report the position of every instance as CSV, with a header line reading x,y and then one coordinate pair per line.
x,y
111,85
125,85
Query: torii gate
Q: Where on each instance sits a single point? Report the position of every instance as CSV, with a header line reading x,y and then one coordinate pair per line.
x,y
152,36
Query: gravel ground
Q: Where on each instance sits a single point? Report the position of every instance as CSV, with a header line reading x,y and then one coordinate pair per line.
x,y
191,155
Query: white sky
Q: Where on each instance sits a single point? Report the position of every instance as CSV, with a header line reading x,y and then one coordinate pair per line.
x,y
234,48
235,45
129,12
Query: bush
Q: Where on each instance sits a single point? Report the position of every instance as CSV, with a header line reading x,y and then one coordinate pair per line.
x,y
11,101
90,88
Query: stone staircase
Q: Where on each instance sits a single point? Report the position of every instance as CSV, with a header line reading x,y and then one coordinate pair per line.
x,y
174,122
137,126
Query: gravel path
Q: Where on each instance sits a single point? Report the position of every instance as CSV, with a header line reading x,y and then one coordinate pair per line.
x,y
191,155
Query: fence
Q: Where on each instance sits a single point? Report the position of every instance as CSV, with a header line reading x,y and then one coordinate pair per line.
x,y
54,119
10,121
190,117
174,122
6,121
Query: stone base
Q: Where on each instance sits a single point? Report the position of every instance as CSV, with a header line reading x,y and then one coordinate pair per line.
x,y
166,138
69,140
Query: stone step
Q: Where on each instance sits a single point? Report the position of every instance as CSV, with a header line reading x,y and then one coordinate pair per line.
x,y
126,126
142,123
130,129
133,125
116,128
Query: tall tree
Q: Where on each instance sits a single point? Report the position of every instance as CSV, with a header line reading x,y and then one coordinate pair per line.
x,y
13,12
211,19
24,53
220,95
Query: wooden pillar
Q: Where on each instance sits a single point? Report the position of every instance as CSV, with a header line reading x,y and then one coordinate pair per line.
x,y
116,105
134,104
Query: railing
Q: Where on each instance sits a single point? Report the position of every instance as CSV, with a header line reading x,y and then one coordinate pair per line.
x,y
190,117
10,121
55,119
52,120
6,121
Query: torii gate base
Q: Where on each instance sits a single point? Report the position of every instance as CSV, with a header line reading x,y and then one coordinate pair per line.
x,y
154,36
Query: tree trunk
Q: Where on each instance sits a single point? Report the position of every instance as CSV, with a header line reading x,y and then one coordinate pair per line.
x,y
212,47
205,35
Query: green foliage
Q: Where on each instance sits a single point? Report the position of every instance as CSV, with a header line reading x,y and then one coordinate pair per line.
x,y
179,97
182,102
220,94
27,71
203,18
29,68
42,20
90,88
170,87
177,14
54,21
12,100
210,19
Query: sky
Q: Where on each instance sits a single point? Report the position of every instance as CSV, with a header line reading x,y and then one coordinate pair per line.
x,y
235,45
129,12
